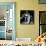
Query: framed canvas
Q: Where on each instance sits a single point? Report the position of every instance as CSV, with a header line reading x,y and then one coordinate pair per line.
x,y
26,17
42,1
7,20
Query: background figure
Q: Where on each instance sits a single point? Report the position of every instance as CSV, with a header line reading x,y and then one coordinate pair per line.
x,y
26,18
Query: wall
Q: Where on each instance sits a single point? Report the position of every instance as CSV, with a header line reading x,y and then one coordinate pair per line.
x,y
28,31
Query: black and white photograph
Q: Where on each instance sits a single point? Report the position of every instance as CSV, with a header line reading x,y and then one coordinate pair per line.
x,y
26,17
